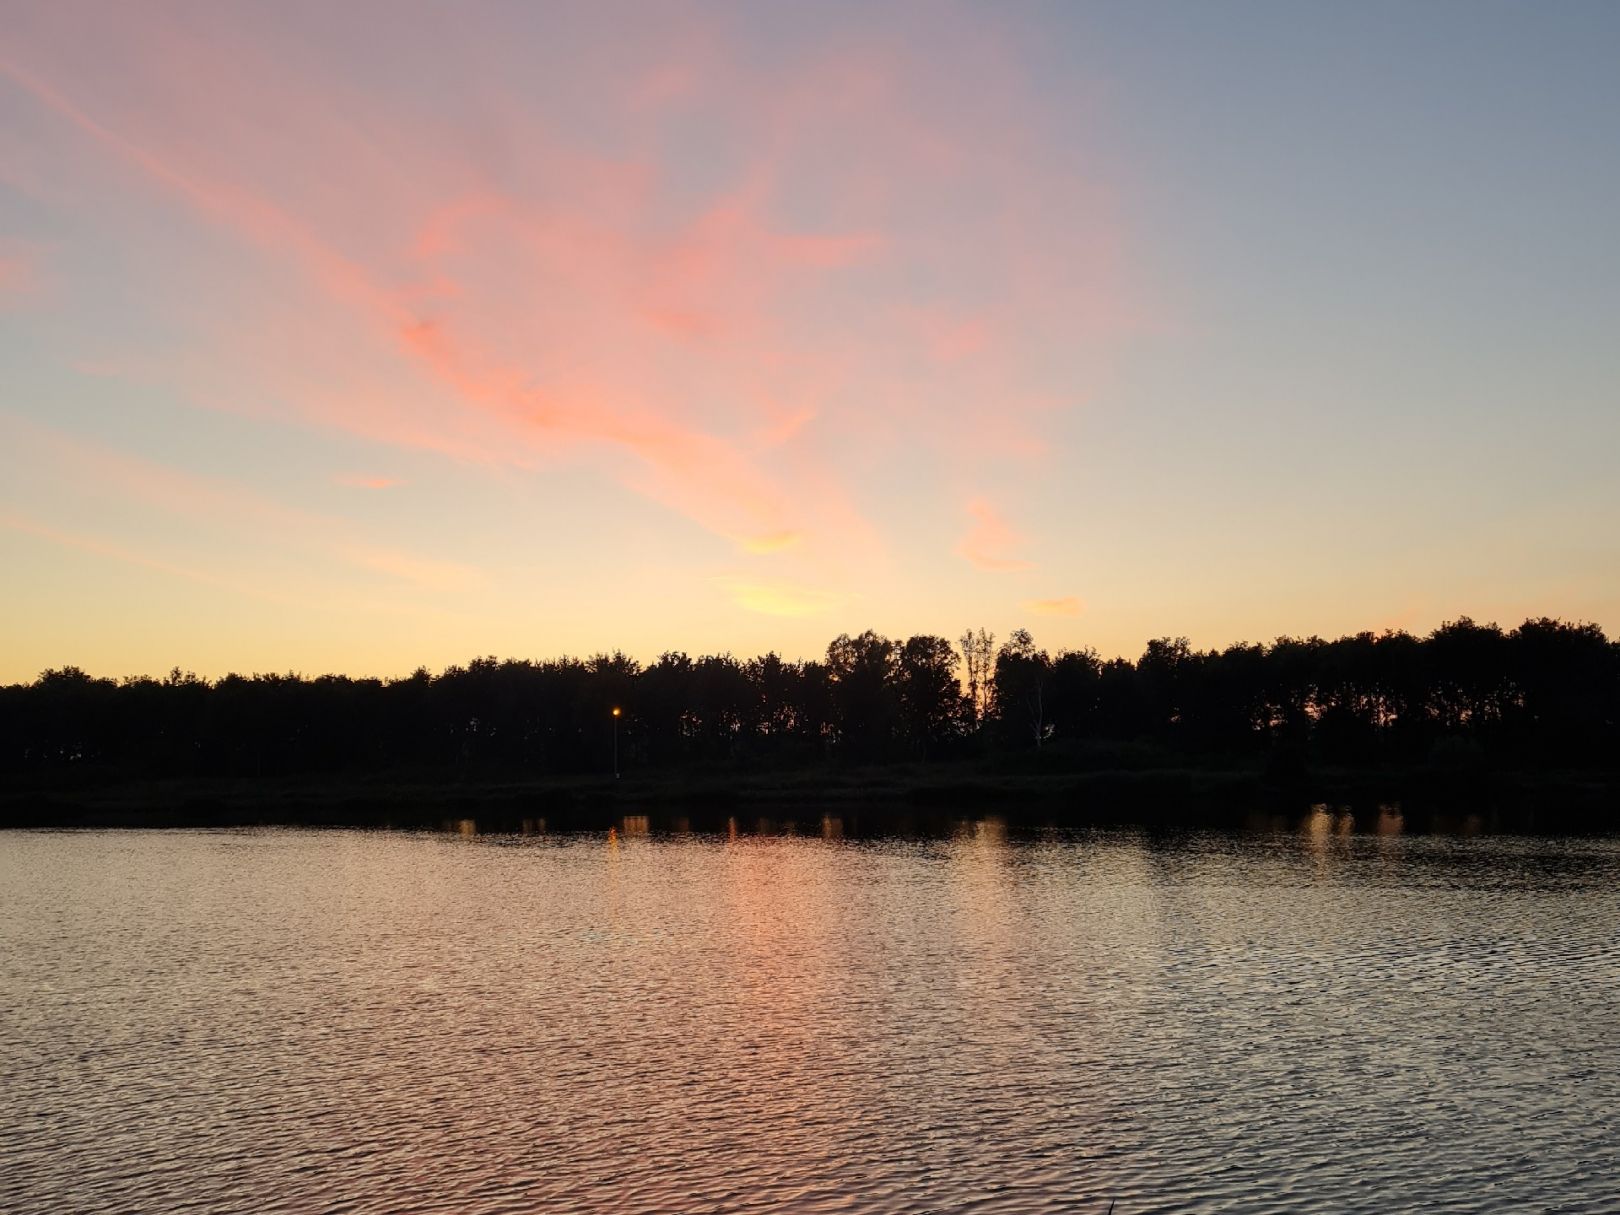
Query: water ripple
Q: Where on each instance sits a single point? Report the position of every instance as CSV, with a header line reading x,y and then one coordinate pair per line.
x,y
292,1021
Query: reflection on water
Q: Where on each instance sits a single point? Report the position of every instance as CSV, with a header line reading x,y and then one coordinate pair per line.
x,y
1340,1015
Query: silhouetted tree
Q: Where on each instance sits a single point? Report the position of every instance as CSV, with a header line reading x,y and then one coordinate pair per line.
x,y
931,706
861,677
978,656
1546,693
1074,704
1021,676
1164,677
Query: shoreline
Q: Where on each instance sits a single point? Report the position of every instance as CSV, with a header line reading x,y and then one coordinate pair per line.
x,y
878,797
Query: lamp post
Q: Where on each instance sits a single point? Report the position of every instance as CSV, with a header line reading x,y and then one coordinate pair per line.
x,y
615,742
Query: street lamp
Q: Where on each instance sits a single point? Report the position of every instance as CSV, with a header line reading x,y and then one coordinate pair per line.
x,y
615,742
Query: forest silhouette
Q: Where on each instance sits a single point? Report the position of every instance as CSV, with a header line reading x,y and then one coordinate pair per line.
x,y
1544,695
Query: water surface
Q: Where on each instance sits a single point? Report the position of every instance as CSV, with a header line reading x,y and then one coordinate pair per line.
x,y
1303,1021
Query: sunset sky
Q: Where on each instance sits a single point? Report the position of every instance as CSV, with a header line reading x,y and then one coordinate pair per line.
x,y
358,337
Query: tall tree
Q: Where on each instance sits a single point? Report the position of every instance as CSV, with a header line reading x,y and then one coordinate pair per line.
x,y
978,654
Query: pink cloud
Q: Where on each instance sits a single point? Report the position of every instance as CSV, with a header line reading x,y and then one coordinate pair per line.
x,y
16,277
479,281
359,481
990,542
20,277
954,339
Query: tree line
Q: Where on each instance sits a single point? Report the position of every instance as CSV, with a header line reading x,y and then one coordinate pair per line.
x,y
1545,694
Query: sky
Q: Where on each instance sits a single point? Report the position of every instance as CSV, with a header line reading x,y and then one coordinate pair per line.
x,y
369,336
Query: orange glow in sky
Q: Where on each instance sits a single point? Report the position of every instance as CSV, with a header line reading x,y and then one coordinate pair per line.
x,y
359,337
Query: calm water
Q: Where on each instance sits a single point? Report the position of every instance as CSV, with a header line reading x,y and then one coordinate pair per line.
x,y
347,1021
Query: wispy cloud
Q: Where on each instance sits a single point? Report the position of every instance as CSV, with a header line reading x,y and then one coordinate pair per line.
x,y
431,575
362,481
20,277
777,596
735,330
1065,605
991,542
242,517
771,542
100,547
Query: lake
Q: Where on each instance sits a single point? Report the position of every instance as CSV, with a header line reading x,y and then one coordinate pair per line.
x,y
1316,1019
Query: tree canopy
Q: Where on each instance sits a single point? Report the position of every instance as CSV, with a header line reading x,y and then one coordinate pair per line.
x,y
1544,694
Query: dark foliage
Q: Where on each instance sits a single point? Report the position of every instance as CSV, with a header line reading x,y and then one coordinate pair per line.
x,y
1544,695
